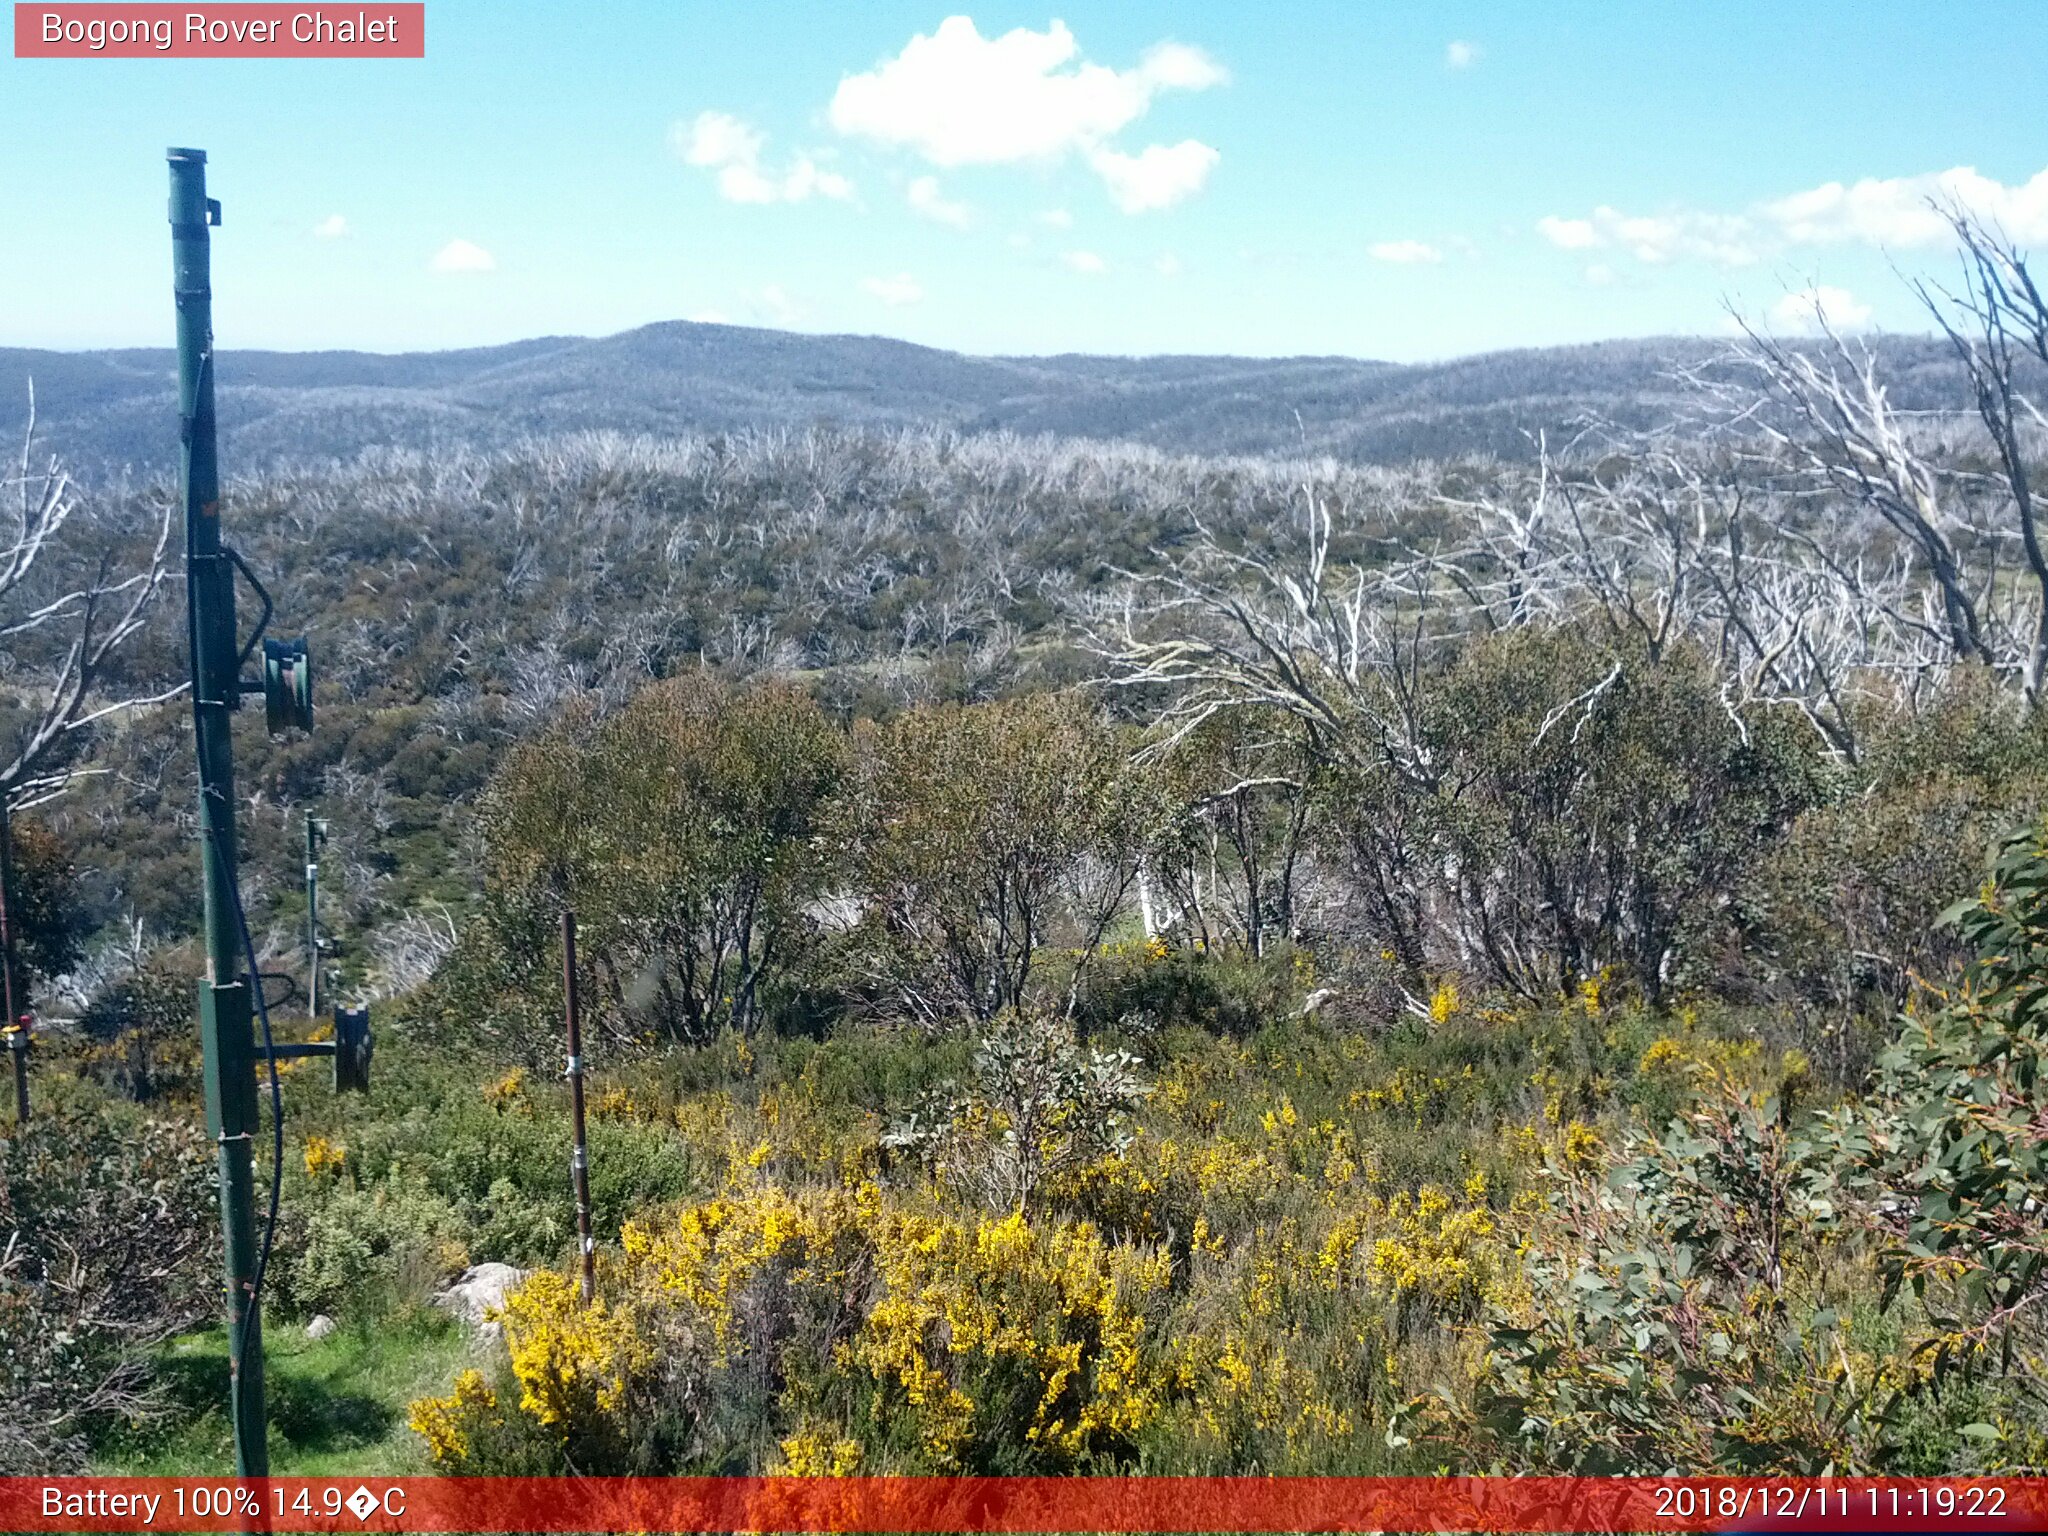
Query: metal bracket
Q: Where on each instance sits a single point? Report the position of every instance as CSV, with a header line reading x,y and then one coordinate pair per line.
x,y
291,987
234,557
298,1050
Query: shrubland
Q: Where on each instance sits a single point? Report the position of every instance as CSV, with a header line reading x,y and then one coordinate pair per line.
x,y
1103,962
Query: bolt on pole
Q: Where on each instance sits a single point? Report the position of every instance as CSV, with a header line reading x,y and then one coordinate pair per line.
x,y
579,1159
226,1036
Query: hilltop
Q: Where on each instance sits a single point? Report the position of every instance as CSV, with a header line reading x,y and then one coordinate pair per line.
x,y
109,409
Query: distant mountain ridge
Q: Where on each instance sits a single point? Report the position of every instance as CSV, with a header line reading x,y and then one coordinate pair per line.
x,y
110,409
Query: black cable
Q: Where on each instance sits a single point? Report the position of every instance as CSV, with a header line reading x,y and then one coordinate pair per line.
x,y
276,1121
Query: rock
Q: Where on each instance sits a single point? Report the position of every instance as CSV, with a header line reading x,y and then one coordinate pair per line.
x,y
320,1326
478,1293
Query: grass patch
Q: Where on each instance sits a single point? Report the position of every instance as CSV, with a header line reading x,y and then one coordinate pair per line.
x,y
337,1406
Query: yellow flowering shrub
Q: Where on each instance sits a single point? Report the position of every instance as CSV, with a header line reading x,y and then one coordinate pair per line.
x,y
1005,1330
1444,1002
1427,1248
714,1257
816,1452
509,1092
1582,1147
572,1361
1302,1229
448,1423
323,1156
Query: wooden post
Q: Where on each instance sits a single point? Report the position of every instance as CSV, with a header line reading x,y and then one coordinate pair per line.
x,y
579,1159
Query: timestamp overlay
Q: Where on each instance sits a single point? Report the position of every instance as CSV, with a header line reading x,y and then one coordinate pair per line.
x,y
934,1504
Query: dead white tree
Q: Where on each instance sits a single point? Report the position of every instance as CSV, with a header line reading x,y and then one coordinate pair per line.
x,y
63,615
1336,646
1996,320
1844,433
1950,591
1281,627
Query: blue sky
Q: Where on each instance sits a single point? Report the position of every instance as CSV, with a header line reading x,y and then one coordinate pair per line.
x,y
1372,179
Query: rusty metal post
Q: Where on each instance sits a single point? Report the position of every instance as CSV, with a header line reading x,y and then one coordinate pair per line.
x,y
579,1159
15,1021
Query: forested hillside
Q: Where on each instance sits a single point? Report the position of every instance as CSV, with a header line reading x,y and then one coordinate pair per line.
x,y
109,409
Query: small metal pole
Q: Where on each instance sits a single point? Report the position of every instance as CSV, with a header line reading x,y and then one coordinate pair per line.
x,y
579,1159
16,1020
17,1047
316,833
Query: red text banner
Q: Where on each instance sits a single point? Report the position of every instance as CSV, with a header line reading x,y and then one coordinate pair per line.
x,y
234,31
1090,1504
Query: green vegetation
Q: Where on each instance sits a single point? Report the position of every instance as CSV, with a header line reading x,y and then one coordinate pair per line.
x,y
1096,962
1156,1202
336,1405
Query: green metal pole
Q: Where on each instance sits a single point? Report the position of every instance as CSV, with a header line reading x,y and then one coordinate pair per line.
x,y
226,1038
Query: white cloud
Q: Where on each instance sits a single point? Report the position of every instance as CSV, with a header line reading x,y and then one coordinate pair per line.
x,y
333,227
1906,210
1166,264
1725,239
1461,55
958,98
1158,176
1807,309
1056,218
720,142
927,201
894,291
1568,234
1404,252
462,256
1085,261
717,138
807,177
1898,212
1599,275
1180,67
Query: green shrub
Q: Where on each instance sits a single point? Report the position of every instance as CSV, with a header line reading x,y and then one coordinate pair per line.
x,y
1143,988
145,1026
984,840
1677,1320
1037,1107
1591,807
1842,914
680,832
108,1242
1953,1143
362,1249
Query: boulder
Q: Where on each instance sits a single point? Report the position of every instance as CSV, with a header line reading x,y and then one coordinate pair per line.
x,y
320,1326
478,1293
